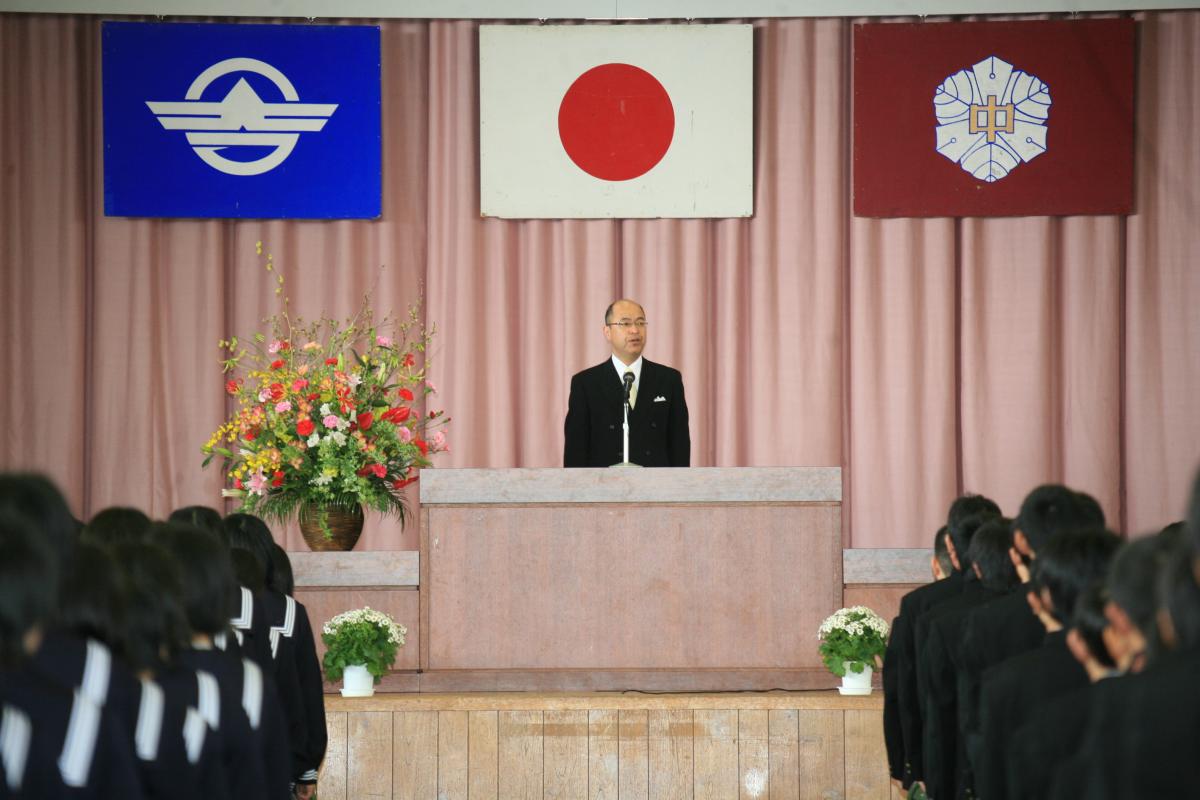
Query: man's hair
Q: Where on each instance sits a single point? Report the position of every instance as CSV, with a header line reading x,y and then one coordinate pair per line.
x,y
941,552
202,517
209,592
989,551
1052,509
1194,516
41,504
608,311
1089,622
28,585
92,597
969,505
117,524
248,532
1131,577
1179,596
962,530
156,627
1072,562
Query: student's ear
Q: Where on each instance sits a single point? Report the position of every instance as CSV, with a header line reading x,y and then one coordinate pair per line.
x,y
1019,564
935,567
953,553
1022,544
978,572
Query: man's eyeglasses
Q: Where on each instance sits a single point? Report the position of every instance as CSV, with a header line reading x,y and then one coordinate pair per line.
x,y
630,324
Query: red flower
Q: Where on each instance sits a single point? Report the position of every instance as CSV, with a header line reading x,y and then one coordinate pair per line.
x,y
237,483
379,469
251,435
313,396
278,479
422,446
285,346
406,395
233,386
397,414
305,427
409,360
277,392
277,364
401,484
299,384
363,472
331,361
365,421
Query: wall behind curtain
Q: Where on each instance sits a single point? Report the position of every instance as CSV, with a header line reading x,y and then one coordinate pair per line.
x,y
925,357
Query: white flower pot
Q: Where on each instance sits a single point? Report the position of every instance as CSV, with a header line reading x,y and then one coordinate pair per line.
x,y
357,681
856,682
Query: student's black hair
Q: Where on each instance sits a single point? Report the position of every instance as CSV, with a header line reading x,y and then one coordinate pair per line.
x,y
92,598
1089,622
28,585
941,552
989,550
41,503
248,532
961,533
203,517
1131,580
246,570
1179,596
1193,523
282,578
209,593
116,525
968,505
156,626
1072,562
1052,509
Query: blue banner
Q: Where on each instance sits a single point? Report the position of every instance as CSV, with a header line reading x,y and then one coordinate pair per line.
x,y
261,121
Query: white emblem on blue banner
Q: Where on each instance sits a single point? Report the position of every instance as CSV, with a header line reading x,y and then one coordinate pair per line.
x,y
242,118
991,118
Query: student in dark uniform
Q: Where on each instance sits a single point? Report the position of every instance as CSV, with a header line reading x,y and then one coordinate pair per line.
x,y
115,525
40,759
991,575
941,567
308,667
912,606
1005,627
249,534
1067,565
248,717
178,754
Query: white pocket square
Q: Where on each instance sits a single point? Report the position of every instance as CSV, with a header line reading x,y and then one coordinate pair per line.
x,y
660,399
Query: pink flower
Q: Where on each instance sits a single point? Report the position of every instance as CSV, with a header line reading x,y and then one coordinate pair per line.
x,y
274,346
283,407
404,434
383,341
258,482
438,440
429,385
330,421
264,396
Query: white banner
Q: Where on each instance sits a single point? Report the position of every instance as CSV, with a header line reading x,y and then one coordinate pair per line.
x,y
616,121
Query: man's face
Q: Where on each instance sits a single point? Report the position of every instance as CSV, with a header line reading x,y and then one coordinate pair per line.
x,y
626,331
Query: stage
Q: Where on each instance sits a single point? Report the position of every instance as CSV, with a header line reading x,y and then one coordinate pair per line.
x,y
606,746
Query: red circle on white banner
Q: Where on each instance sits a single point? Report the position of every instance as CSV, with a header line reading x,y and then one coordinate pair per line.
x,y
616,122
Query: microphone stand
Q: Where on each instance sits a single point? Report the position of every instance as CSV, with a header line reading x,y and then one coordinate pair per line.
x,y
625,428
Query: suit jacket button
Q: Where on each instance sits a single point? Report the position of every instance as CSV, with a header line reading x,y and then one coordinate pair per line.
x,y
612,427
653,424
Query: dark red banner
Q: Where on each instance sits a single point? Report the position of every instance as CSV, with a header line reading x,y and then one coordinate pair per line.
x,y
972,119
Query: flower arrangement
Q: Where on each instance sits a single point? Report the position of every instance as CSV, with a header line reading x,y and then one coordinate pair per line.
x,y
326,413
854,637
363,636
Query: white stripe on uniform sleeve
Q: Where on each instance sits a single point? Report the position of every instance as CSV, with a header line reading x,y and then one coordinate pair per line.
x,y
194,731
148,732
15,733
75,761
246,616
252,692
97,671
209,699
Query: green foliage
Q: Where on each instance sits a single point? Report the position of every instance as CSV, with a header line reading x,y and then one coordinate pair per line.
x,y
363,637
853,636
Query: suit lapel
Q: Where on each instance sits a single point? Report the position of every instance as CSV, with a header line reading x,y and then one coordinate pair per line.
x,y
647,389
614,390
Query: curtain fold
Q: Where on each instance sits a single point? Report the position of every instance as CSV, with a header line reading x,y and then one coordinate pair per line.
x,y
925,357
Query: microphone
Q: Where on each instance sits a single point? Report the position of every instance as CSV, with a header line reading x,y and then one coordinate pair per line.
x,y
628,378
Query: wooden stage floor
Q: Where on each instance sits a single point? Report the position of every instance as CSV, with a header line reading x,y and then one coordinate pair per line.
x,y
606,746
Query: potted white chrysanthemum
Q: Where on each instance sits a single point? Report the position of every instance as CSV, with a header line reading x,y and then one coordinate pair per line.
x,y
851,642
361,648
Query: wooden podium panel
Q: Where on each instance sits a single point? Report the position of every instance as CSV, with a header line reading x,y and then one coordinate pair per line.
x,y
672,579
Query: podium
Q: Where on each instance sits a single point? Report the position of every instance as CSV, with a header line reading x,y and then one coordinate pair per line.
x,y
685,580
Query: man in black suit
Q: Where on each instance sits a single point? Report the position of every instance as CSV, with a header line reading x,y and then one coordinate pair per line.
x,y
658,415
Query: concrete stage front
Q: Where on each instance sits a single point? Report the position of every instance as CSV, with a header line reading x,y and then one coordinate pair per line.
x,y
627,746
700,579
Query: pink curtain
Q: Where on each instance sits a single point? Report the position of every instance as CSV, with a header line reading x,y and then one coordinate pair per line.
x,y
925,357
